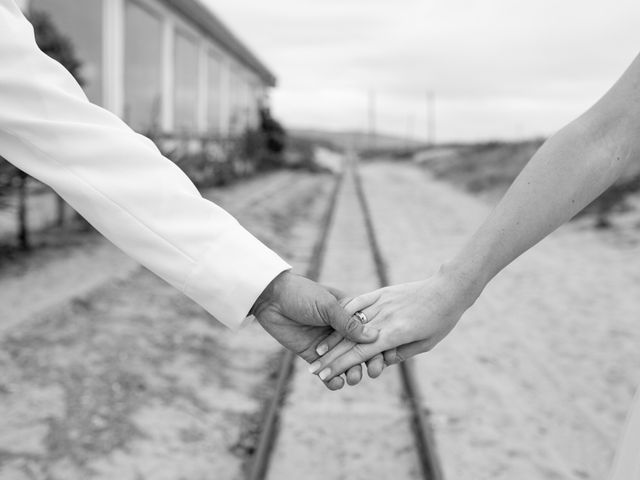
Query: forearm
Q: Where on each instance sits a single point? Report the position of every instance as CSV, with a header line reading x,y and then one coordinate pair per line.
x,y
568,172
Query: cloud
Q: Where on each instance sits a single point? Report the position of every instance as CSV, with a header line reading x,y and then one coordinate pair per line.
x,y
498,67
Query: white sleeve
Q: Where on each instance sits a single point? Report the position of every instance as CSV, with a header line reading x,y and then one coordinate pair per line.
x,y
120,182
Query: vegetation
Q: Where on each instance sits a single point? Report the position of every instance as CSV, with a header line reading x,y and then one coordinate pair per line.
x,y
216,160
489,168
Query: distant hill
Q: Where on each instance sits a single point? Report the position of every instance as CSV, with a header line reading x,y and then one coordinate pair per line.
x,y
357,140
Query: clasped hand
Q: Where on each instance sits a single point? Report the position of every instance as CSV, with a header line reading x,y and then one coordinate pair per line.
x,y
402,321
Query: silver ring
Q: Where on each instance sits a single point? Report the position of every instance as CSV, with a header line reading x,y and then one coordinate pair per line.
x,y
361,316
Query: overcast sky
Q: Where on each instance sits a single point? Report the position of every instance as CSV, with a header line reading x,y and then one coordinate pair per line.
x,y
499,68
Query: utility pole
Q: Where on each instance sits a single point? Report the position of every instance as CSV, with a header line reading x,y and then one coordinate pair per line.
x,y
431,117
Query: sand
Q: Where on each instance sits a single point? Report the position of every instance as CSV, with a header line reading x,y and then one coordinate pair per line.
x,y
536,380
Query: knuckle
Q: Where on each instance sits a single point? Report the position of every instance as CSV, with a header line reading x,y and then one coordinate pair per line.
x,y
357,351
352,325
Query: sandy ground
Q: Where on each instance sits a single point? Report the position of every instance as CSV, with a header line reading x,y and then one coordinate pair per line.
x,y
361,432
536,380
70,265
132,380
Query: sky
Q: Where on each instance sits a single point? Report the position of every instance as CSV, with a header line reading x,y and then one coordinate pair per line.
x,y
498,69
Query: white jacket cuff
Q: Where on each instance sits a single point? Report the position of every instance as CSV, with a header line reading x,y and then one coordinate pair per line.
x,y
247,273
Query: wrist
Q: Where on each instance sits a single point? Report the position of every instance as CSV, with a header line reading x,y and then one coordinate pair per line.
x,y
465,278
269,294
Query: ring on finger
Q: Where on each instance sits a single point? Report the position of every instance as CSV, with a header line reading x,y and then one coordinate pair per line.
x,y
361,316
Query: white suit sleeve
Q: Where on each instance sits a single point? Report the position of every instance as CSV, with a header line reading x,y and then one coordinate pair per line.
x,y
120,183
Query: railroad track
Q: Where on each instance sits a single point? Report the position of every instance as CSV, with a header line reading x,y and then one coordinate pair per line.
x,y
422,436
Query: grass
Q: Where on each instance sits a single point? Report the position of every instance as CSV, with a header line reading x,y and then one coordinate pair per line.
x,y
488,169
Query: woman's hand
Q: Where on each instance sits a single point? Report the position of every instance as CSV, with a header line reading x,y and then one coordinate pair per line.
x,y
412,318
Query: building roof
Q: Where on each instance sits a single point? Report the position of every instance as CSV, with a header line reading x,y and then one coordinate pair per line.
x,y
212,26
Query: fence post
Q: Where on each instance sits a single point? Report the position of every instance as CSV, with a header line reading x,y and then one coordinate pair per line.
x,y
23,231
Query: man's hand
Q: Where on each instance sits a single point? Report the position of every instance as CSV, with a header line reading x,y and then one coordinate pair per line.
x,y
300,314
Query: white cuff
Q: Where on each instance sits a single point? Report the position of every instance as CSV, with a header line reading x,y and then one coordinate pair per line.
x,y
227,286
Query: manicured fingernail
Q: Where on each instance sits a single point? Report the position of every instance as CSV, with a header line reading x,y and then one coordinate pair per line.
x,y
324,373
322,349
313,368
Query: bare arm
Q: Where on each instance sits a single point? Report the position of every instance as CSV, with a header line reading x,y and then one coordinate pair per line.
x,y
568,172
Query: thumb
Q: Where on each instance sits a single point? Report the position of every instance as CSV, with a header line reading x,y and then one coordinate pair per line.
x,y
342,297
349,326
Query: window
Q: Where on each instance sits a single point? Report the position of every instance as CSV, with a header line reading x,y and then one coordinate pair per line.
x,y
214,93
186,83
255,103
246,105
81,22
142,68
236,124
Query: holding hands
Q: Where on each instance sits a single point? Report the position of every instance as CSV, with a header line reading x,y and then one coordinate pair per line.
x,y
379,328
412,318
300,314
568,172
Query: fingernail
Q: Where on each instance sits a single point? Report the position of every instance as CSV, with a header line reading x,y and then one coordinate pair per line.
x,y
313,368
324,373
322,349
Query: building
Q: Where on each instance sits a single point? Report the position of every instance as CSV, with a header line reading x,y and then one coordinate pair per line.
x,y
164,66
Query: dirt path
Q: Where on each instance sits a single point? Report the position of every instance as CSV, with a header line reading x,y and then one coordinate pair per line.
x,y
536,380
134,381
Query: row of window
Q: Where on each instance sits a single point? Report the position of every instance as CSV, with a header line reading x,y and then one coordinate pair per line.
x,y
83,23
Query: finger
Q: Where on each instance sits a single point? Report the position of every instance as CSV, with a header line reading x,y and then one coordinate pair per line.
x,y
358,354
336,383
340,295
391,356
349,326
344,301
354,375
361,302
309,354
335,337
341,348
375,366
328,343
414,348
